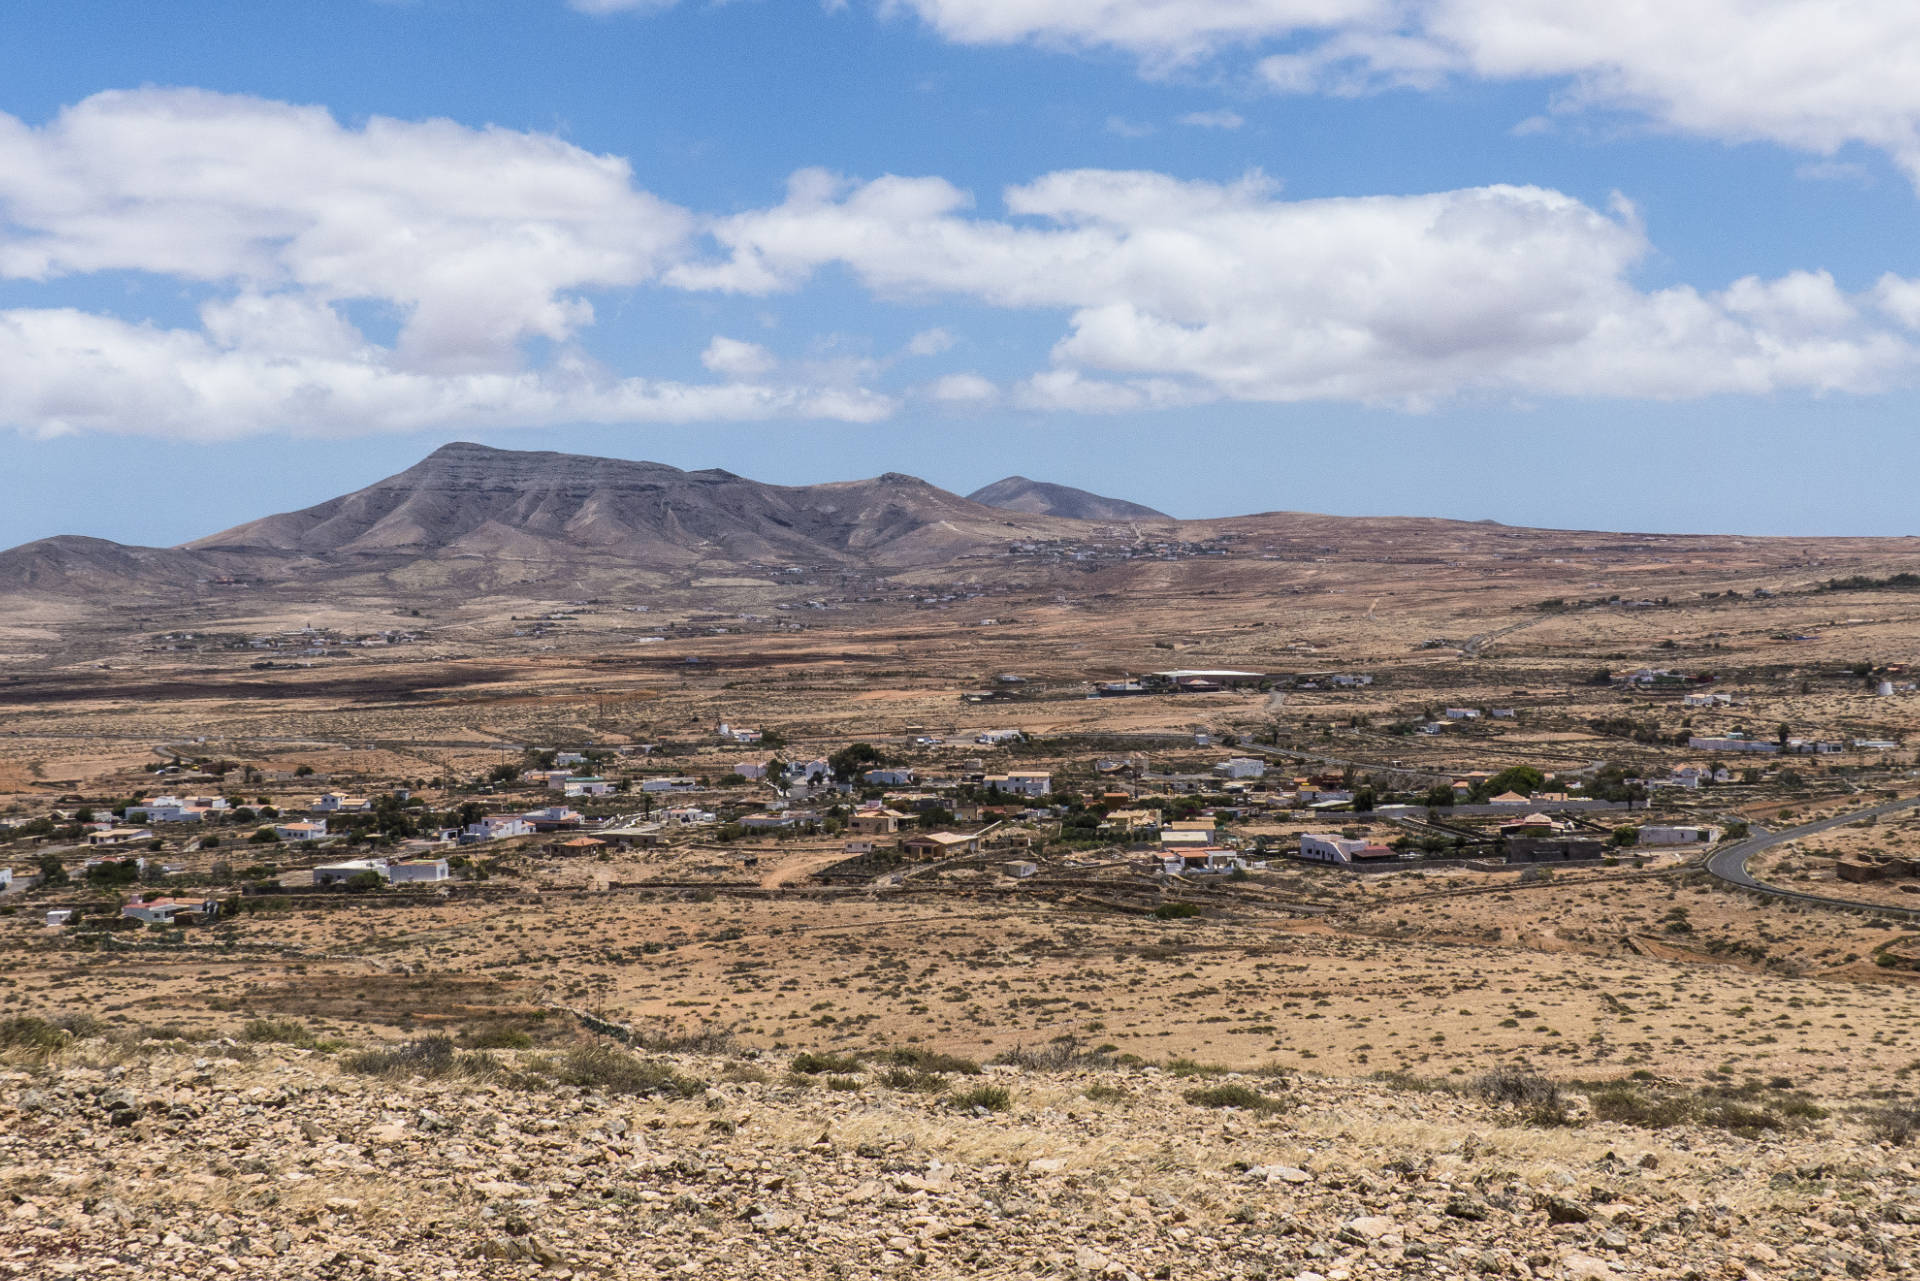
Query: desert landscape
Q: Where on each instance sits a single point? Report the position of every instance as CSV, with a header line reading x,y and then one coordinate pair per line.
x,y
545,863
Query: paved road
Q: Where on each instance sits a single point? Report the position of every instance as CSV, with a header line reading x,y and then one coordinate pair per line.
x,y
1730,864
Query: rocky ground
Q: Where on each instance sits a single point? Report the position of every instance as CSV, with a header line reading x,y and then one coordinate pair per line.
x,y
123,1157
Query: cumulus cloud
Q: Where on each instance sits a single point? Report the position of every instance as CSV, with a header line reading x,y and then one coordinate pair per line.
x,y
963,389
64,371
476,240
1162,31
601,7
1810,74
929,342
742,359
1178,291
1221,119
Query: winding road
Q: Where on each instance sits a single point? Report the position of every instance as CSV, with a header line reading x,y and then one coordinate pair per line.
x,y
1730,864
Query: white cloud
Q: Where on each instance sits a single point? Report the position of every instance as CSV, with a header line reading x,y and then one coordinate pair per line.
x,y
1809,74
963,389
1121,127
929,342
602,7
1221,119
1180,291
738,359
480,237
1162,31
477,240
65,371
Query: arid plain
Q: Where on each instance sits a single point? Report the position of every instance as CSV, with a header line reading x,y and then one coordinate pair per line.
x,y
1759,1051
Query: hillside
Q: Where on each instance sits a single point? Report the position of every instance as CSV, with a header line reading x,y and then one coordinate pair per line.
x,y
1039,498
469,500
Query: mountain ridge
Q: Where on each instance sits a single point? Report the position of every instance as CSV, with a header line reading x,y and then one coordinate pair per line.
x,y
1043,498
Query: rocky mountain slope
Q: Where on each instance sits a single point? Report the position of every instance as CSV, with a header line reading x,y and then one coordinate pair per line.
x,y
122,1157
1037,497
474,518
471,500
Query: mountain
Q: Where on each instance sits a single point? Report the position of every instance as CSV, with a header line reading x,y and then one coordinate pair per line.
x,y
70,563
1037,497
470,500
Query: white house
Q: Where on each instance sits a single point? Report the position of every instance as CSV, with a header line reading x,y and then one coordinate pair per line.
x,y
335,803
675,784
119,836
1021,782
1349,682
1241,767
994,737
6,879
310,830
1708,700
341,873
587,787
164,911
1323,847
1206,859
809,771
739,733
1462,713
169,809
497,827
417,871
569,758
1875,745
888,777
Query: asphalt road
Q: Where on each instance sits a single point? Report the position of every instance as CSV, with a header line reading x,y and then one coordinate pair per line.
x,y
1730,864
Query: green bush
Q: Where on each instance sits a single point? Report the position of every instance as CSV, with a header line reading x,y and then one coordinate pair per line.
x,y
25,1032
993,1098
603,1067
1231,1094
431,1057
924,1060
810,1064
901,1078
277,1031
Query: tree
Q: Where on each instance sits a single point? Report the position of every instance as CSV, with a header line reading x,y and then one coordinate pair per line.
x,y
1780,735
849,760
303,771
1523,779
1363,800
265,836
361,882
1439,796
1625,836
124,871
51,870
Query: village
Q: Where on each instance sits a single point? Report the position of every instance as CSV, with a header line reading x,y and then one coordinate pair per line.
x,y
747,808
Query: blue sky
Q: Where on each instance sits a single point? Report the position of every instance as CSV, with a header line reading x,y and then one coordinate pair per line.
x,y
1650,267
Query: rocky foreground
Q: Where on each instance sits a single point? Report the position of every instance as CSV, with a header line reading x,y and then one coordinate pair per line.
x,y
229,1159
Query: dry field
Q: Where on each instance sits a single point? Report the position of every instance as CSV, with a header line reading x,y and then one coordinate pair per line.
x,y
1390,996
